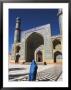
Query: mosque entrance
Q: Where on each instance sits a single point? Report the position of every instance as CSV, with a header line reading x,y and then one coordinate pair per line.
x,y
31,44
39,56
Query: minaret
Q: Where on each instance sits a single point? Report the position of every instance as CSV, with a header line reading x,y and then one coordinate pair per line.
x,y
17,30
60,20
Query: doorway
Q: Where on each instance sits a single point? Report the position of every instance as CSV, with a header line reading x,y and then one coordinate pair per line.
x,y
57,55
39,56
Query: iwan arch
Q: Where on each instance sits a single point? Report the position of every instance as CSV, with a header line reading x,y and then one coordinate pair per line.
x,y
37,43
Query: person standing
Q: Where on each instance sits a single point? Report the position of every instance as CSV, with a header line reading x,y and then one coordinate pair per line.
x,y
33,71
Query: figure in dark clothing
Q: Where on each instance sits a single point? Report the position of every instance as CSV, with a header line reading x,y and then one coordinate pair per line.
x,y
33,71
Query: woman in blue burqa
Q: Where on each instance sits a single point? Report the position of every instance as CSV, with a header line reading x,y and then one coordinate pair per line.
x,y
33,71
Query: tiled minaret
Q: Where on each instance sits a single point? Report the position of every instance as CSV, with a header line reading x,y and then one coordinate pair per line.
x,y
17,31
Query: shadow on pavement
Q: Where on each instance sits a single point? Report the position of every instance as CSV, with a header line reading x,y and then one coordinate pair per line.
x,y
13,76
12,69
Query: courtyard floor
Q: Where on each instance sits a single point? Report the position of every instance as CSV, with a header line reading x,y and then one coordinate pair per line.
x,y
50,72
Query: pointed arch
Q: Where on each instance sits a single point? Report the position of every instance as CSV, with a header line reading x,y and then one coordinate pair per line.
x,y
56,42
56,54
32,42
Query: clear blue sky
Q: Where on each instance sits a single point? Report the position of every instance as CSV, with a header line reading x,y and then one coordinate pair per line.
x,y
32,18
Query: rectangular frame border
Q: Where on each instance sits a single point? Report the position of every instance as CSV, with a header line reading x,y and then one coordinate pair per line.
x,y
1,28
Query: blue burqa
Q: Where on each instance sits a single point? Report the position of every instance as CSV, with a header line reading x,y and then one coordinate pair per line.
x,y
33,71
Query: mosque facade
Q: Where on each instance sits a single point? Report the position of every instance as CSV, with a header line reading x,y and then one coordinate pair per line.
x,y
37,43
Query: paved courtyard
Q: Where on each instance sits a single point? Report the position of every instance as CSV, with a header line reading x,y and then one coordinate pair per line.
x,y
50,72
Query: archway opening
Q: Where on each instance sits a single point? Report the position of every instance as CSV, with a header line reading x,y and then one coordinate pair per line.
x,y
39,56
57,56
17,58
17,49
56,42
32,43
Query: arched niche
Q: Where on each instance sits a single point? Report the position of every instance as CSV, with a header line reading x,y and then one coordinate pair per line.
x,y
56,42
17,49
57,55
